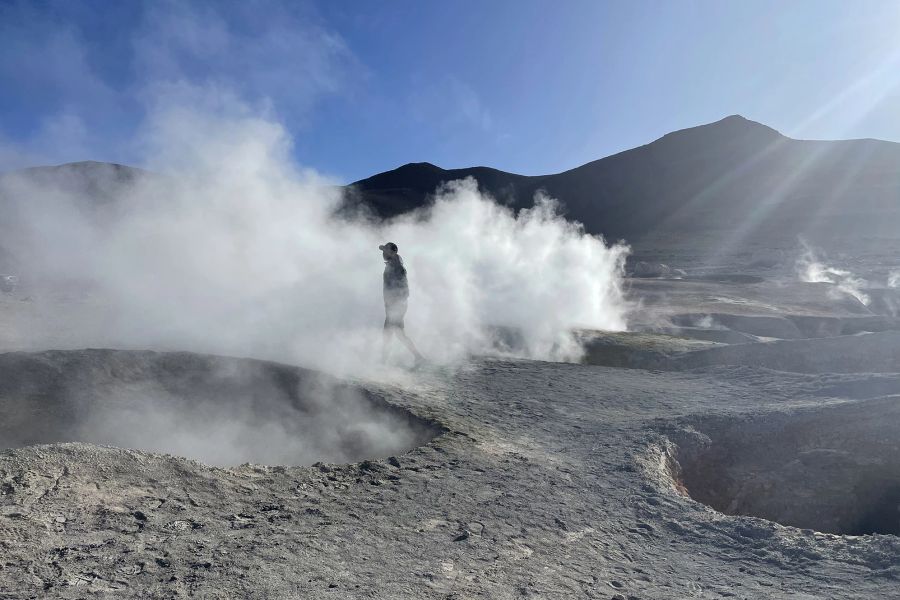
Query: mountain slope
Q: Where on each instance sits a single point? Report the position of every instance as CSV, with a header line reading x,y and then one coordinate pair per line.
x,y
734,179
96,185
733,174
96,179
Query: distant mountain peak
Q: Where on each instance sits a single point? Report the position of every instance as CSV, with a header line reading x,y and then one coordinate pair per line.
x,y
85,168
87,164
736,117
420,165
742,121
731,125
729,131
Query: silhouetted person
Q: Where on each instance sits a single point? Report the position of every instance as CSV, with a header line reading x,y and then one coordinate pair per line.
x,y
396,294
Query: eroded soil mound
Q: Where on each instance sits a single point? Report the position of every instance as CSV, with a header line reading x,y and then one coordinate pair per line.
x,y
861,353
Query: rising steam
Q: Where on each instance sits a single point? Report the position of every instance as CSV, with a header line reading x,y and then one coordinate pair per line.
x,y
812,269
893,280
234,249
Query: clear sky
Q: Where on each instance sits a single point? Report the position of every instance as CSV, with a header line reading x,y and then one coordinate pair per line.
x,y
529,86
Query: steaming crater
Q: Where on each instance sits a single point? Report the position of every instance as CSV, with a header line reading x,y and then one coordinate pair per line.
x,y
221,411
834,470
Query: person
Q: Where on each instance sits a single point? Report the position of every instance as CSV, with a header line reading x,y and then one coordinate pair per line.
x,y
396,295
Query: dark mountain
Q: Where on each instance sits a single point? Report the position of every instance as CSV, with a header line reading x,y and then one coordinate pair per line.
x,y
734,180
731,175
408,187
99,181
96,185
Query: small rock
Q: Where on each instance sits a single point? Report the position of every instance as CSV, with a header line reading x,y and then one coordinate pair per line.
x,y
464,535
394,462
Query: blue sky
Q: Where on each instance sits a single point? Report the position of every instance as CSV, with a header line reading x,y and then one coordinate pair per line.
x,y
529,86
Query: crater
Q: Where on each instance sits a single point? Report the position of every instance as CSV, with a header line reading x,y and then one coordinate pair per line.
x,y
833,470
220,411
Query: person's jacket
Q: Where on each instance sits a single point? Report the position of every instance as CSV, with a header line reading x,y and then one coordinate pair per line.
x,y
395,284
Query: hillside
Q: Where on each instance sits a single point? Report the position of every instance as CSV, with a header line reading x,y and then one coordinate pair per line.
x,y
732,175
733,181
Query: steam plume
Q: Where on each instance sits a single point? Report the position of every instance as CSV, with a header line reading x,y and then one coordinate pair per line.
x,y
236,250
893,280
812,270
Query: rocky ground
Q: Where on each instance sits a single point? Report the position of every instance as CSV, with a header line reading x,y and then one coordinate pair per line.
x,y
541,480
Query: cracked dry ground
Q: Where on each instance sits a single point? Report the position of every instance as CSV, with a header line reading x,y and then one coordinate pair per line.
x,y
549,483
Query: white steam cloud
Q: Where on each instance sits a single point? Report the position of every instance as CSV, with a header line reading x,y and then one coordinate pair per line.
x,y
222,411
321,422
893,280
812,269
236,250
226,246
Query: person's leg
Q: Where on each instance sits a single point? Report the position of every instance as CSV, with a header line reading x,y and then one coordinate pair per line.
x,y
398,314
409,345
386,339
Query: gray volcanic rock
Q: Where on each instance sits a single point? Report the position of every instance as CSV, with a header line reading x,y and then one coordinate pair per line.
x,y
551,481
861,353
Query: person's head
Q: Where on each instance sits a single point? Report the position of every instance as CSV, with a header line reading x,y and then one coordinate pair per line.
x,y
388,250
